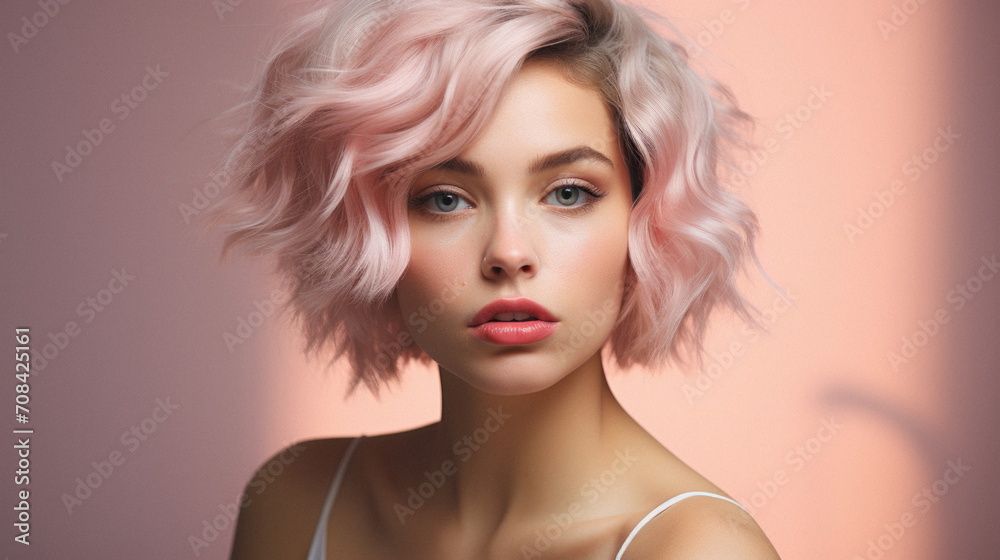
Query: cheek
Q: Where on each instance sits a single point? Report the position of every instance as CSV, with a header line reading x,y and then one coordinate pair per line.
x,y
434,281
594,283
608,280
600,259
422,279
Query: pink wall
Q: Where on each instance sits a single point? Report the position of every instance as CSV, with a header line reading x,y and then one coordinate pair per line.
x,y
811,424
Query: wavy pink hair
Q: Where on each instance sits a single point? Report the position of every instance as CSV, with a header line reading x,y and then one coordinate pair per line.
x,y
361,95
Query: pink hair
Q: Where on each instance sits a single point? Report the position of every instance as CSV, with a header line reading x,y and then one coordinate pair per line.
x,y
361,95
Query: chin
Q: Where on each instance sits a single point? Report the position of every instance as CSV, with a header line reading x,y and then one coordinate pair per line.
x,y
512,387
516,377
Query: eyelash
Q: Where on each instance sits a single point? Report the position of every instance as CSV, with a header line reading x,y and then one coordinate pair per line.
x,y
593,195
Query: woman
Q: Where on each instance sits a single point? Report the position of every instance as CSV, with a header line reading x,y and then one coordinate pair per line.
x,y
506,188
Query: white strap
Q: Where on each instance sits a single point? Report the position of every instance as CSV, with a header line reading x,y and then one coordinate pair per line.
x,y
317,551
659,509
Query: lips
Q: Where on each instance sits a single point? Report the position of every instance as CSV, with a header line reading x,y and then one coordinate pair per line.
x,y
516,309
513,322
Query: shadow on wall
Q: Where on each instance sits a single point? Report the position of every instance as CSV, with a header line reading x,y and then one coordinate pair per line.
x,y
969,521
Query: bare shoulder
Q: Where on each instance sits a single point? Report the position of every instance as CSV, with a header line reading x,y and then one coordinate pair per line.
x,y
702,528
282,501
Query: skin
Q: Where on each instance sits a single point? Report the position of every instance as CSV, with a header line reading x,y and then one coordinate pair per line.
x,y
567,459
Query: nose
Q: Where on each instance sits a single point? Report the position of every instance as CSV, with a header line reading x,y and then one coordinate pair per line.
x,y
510,252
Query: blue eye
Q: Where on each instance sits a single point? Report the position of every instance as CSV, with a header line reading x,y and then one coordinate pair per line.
x,y
440,202
566,195
445,201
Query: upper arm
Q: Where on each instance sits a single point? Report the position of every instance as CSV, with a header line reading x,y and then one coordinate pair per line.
x,y
705,529
281,503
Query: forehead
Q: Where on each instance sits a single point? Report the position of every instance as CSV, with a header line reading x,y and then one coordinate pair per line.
x,y
543,112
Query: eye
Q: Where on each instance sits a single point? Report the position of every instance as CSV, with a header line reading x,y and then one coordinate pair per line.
x,y
566,196
440,202
573,196
445,201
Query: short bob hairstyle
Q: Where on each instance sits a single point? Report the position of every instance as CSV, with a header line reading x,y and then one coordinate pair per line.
x,y
359,96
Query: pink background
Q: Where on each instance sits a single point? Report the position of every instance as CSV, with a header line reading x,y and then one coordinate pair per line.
x,y
755,425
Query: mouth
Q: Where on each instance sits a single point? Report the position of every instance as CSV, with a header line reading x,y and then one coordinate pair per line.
x,y
516,322
512,316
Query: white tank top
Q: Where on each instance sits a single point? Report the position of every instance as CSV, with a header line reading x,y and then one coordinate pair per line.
x,y
317,551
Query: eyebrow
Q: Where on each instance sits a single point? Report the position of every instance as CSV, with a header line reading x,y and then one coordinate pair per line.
x,y
543,163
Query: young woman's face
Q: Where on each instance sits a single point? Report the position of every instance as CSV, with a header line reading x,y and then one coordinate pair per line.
x,y
536,208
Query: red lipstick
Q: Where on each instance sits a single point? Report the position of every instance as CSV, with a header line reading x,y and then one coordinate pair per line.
x,y
513,322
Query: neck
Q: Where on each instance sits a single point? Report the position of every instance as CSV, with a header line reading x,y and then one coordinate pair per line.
x,y
526,452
